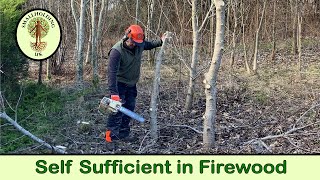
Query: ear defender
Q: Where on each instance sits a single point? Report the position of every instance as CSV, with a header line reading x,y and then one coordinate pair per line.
x,y
127,35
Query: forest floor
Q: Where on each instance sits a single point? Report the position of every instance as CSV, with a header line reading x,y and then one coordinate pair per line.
x,y
273,112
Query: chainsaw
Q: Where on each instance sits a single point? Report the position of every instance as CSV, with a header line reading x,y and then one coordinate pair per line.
x,y
116,106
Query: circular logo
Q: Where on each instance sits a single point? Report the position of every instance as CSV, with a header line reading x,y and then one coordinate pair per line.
x,y
38,34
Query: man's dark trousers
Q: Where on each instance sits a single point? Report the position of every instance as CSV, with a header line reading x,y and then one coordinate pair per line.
x,y
118,123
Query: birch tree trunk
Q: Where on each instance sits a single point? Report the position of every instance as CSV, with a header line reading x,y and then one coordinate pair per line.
x,y
235,19
89,50
94,43
155,92
150,25
299,40
79,62
294,14
195,55
244,40
212,20
255,56
104,5
211,78
76,19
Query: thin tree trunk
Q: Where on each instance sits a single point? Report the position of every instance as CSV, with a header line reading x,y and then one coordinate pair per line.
x,y
79,63
49,69
244,40
150,25
104,5
299,40
195,55
137,11
94,43
48,64
89,48
228,21
235,19
255,57
294,12
212,20
211,78
40,73
76,19
273,54
60,57
155,93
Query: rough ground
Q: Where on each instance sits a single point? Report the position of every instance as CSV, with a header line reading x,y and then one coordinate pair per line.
x,y
278,105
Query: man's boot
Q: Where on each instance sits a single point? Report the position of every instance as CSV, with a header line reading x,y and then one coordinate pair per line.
x,y
110,141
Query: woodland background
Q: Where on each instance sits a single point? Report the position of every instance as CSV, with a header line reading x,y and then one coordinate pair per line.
x,y
268,85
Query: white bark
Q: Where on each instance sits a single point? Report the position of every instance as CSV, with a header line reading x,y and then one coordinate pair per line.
x,y
102,9
195,49
255,57
76,19
79,62
150,24
89,51
94,42
27,133
244,40
211,78
104,6
211,31
155,92
235,19
299,40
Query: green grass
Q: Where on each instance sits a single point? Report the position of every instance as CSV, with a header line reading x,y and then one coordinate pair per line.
x,y
37,112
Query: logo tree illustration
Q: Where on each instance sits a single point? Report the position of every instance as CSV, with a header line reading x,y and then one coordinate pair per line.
x,y
38,28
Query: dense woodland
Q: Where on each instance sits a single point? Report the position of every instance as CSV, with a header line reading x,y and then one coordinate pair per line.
x,y
234,77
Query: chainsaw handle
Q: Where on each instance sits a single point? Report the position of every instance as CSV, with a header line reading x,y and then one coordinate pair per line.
x,y
117,106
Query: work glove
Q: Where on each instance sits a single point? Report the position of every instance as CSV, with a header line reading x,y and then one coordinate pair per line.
x,y
115,97
165,35
105,109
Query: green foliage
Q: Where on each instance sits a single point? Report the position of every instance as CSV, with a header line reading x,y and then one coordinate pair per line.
x,y
13,63
38,112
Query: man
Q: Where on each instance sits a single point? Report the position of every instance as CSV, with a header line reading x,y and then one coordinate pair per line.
x,y
123,74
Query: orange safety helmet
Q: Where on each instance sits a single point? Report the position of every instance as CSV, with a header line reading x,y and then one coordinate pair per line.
x,y
135,32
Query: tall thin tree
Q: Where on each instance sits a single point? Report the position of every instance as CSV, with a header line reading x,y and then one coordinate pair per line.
x,y
211,78
256,47
80,37
195,49
94,53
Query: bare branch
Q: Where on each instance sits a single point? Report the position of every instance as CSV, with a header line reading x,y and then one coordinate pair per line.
x,y
281,135
306,113
207,17
26,132
16,109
